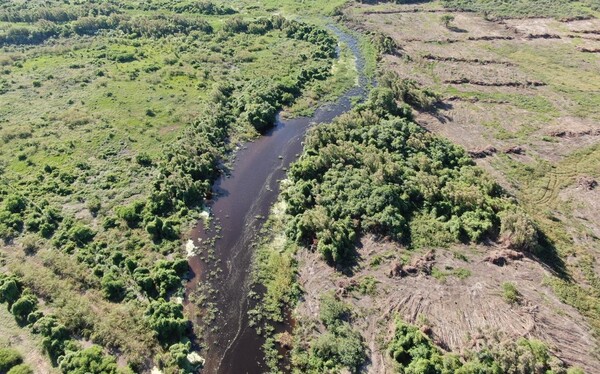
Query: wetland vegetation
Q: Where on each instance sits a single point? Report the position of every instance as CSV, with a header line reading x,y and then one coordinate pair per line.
x,y
444,222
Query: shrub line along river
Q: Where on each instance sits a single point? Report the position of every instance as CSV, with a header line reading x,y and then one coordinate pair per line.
x,y
241,198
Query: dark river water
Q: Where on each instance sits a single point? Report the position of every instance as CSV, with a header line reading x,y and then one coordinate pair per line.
x,y
240,201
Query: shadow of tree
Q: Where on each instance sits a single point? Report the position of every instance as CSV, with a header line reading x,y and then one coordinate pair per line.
x,y
547,255
456,29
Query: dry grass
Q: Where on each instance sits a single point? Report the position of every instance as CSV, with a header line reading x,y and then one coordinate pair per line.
x,y
544,178
23,341
459,309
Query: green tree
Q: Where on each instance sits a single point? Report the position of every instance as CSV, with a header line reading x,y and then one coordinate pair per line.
x,y
166,318
447,19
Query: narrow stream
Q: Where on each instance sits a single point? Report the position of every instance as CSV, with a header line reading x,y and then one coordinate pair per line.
x,y
241,200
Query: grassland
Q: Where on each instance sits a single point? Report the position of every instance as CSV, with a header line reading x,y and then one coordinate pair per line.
x,y
108,152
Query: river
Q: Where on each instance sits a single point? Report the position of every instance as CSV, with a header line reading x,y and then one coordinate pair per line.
x,y
241,200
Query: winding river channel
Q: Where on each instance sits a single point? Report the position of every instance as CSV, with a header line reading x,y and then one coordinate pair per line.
x,y
241,200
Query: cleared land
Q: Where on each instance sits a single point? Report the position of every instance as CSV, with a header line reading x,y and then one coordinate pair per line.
x,y
521,94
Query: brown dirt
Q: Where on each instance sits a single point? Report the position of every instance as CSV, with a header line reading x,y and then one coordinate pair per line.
x,y
499,125
454,309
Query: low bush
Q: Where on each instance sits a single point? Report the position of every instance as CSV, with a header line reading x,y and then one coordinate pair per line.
x,y
510,293
409,91
20,369
415,353
177,357
518,231
21,308
9,358
132,213
89,360
341,348
10,289
113,287
55,336
167,320
333,311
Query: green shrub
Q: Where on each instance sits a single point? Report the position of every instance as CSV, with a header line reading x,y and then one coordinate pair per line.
x,y
20,369
336,350
55,336
11,224
518,231
409,91
178,357
166,276
411,349
15,203
384,44
166,318
383,102
260,115
143,159
94,204
132,213
203,7
30,244
9,358
235,25
89,360
10,289
510,293
21,308
333,311
142,277
81,234
113,288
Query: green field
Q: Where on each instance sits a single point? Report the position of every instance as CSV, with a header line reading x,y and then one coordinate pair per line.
x,y
114,118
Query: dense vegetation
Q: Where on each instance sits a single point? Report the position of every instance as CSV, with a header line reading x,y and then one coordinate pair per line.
x,y
56,338
115,119
374,170
413,352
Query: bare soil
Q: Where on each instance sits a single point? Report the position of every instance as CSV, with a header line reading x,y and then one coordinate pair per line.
x,y
482,69
458,311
